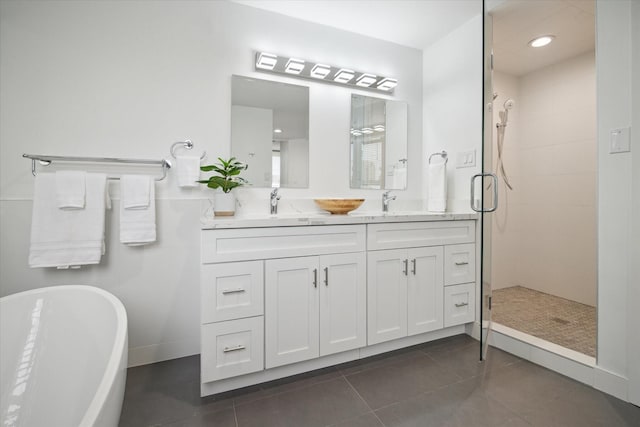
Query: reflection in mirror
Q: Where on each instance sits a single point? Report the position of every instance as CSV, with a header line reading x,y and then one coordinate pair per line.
x,y
378,143
270,131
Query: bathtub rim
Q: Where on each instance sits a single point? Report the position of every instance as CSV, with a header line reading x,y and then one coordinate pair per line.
x,y
118,353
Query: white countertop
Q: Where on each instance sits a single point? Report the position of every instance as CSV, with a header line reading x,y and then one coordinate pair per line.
x,y
321,218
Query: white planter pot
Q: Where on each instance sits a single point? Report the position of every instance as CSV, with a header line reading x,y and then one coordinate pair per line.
x,y
224,204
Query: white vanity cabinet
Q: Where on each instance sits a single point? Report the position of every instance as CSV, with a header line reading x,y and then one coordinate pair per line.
x,y
282,300
315,306
406,277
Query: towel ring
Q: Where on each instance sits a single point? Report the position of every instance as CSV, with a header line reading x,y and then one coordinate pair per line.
x,y
442,154
188,145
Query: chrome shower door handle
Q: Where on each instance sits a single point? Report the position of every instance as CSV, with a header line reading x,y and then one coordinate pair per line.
x,y
495,192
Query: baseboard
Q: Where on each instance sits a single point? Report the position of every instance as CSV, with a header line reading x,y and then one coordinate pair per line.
x,y
164,351
611,383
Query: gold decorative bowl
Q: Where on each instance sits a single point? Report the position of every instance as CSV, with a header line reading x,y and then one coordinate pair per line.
x,y
338,206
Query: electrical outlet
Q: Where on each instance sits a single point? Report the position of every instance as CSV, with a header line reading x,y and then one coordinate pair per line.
x,y
619,141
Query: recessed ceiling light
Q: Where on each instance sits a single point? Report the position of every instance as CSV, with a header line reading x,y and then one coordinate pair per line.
x,y
277,131
266,61
294,66
366,80
320,71
541,41
387,84
344,75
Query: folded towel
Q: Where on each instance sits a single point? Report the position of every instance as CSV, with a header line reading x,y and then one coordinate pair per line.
x,y
188,170
137,224
135,191
61,237
437,186
70,189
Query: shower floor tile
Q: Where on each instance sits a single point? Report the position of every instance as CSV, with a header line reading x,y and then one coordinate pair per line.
x,y
551,318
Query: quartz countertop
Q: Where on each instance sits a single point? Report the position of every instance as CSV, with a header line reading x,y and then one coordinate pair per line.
x,y
322,218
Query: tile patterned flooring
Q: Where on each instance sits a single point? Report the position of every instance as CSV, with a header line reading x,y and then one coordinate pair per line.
x,y
435,384
558,320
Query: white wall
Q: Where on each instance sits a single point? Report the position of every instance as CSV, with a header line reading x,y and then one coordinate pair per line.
x,y
452,109
616,282
127,79
633,337
544,234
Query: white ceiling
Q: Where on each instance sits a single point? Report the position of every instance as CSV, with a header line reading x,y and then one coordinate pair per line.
x,y
516,22
419,23
413,23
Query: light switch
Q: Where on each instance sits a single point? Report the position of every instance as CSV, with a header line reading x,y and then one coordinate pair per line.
x,y
466,159
620,140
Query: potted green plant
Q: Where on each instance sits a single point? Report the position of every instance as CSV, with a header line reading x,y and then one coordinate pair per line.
x,y
226,178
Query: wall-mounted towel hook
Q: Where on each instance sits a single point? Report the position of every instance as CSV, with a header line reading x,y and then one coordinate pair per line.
x,y
186,145
442,154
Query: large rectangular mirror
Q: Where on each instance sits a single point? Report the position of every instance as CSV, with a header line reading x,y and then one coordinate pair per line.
x,y
270,131
378,143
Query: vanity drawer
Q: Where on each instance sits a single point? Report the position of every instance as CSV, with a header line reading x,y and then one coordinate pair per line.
x,y
232,348
459,304
459,264
414,234
231,291
280,242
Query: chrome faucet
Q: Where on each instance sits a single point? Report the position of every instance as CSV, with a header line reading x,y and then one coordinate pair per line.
x,y
386,198
273,202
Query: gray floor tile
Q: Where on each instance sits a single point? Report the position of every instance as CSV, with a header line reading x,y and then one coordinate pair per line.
x,y
460,404
366,420
288,384
163,374
379,360
466,362
400,380
321,404
224,418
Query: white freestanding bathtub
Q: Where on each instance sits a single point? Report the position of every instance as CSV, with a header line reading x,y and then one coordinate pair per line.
x,y
63,357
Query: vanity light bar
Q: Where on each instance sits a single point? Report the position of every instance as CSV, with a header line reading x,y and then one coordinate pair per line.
x,y
291,67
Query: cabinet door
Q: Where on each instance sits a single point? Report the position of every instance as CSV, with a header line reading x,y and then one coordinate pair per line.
x,y
343,290
291,310
425,290
386,295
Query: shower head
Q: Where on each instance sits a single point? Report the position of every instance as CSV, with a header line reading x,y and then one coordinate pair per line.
x,y
509,103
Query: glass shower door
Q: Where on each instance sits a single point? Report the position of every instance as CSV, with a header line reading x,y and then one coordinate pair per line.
x,y
484,187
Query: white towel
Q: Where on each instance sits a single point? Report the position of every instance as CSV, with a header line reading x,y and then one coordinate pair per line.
x,y
62,238
70,189
135,191
188,171
437,185
137,224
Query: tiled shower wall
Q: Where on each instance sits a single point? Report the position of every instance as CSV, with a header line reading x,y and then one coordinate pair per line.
x,y
544,232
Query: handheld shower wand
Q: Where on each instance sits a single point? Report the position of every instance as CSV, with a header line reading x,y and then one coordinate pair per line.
x,y
504,117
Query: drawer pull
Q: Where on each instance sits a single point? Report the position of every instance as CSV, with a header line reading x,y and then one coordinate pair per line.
x,y
413,263
326,276
406,267
462,304
462,263
232,291
315,277
234,348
